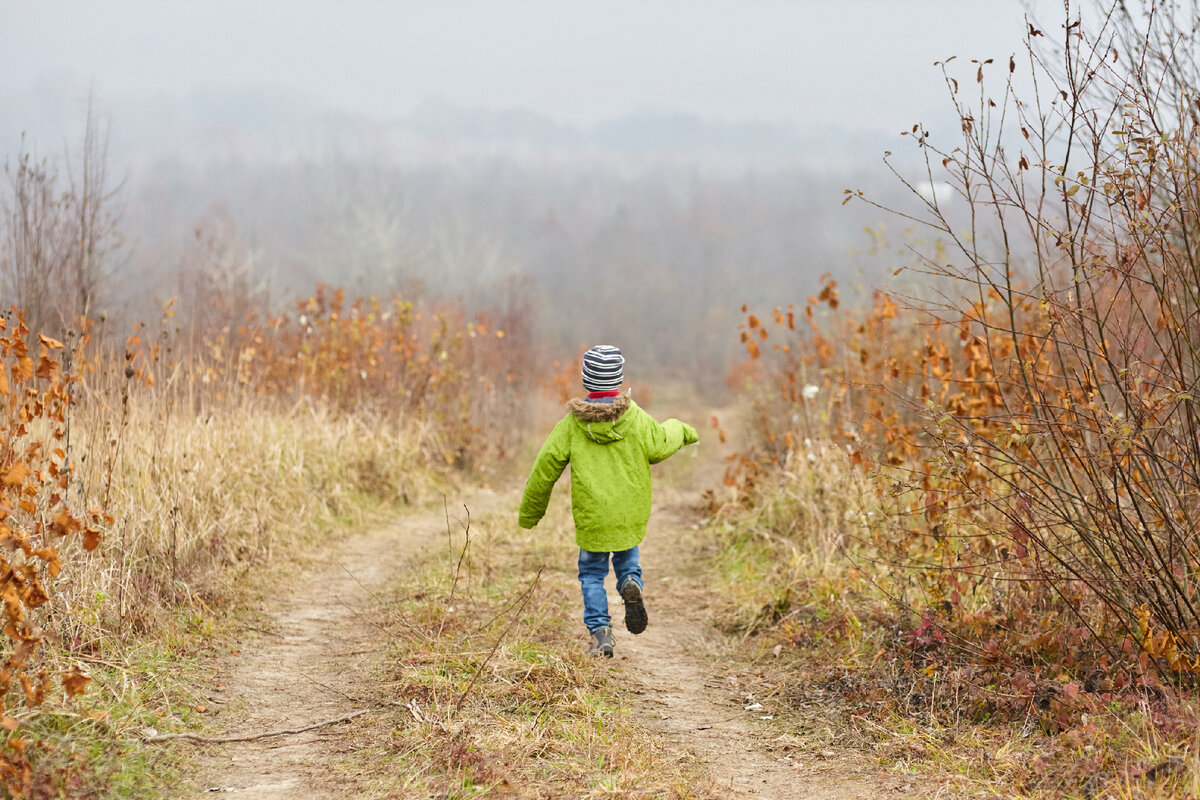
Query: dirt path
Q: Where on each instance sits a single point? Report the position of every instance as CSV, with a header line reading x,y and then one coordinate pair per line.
x,y
692,692
304,666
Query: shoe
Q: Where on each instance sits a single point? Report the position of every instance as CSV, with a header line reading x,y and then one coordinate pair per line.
x,y
602,642
635,609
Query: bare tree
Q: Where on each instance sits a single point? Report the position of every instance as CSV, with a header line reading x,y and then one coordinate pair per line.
x,y
36,240
60,243
93,214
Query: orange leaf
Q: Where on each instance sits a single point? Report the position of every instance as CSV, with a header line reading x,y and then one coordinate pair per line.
x,y
91,539
53,344
47,367
16,474
8,723
75,682
34,695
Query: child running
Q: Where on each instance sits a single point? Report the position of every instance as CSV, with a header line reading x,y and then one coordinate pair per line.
x,y
610,444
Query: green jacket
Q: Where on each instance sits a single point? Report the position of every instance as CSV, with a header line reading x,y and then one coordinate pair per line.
x,y
610,447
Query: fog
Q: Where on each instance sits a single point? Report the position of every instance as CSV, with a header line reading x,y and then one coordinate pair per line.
x,y
626,171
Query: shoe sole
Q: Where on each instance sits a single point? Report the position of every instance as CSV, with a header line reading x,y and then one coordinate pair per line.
x,y
635,610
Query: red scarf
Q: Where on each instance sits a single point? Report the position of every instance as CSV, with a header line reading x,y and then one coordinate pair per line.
x,y
602,395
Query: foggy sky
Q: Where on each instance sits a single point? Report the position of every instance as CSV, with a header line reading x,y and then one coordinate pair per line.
x,y
856,64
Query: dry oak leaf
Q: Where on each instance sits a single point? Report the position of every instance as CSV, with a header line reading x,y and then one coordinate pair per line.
x,y
91,539
34,694
53,344
8,723
75,682
16,474
63,523
47,367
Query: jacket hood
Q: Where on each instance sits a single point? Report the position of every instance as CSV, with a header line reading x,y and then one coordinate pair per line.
x,y
600,422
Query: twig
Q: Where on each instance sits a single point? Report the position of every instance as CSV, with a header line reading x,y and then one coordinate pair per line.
x,y
516,616
398,618
708,725
330,688
362,586
195,737
458,566
358,614
263,631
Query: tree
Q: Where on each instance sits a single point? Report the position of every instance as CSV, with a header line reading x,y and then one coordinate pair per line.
x,y
60,243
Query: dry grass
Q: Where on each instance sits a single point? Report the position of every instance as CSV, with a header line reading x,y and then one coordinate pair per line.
x,y
492,691
208,455
200,501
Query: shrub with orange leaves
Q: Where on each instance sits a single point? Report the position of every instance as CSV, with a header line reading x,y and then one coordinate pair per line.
x,y
1034,423
407,358
36,520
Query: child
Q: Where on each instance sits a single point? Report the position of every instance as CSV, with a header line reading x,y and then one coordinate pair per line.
x,y
610,443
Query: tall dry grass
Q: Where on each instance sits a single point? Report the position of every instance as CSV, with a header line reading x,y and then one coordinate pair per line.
x,y
216,451
198,501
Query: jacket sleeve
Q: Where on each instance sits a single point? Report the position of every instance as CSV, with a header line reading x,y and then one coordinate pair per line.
x,y
551,461
663,439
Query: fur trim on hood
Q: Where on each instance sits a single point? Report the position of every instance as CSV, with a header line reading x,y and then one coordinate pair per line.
x,y
589,411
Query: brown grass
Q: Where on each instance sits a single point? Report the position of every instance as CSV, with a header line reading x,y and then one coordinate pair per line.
x,y
199,501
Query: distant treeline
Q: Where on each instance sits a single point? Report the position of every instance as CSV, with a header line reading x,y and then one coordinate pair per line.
x,y
657,255
658,259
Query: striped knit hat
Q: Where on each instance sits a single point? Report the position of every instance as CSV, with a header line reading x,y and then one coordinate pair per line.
x,y
602,368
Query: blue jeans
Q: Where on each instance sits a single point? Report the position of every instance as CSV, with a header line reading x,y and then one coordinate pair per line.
x,y
593,569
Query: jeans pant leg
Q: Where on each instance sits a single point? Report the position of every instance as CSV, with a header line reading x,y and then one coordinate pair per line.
x,y
625,564
593,569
